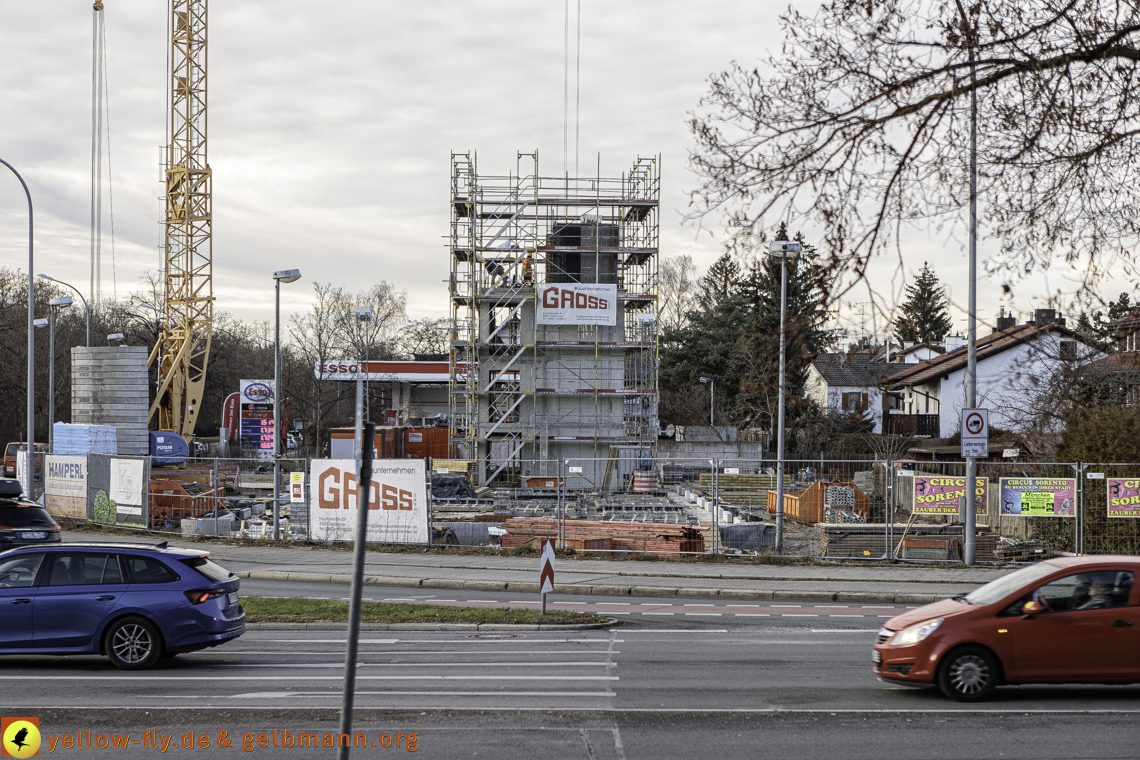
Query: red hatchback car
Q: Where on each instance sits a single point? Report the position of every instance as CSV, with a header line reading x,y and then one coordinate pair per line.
x,y
1066,620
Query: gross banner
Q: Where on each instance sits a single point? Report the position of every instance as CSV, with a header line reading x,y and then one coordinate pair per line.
x,y
65,486
1050,497
397,501
939,495
572,303
1123,497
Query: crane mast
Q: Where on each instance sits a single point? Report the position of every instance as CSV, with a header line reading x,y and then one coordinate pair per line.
x,y
183,349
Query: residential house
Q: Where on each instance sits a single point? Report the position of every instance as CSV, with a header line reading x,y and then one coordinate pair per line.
x,y
851,383
1015,367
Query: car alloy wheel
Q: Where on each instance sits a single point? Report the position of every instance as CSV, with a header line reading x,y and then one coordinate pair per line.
x,y
968,675
133,643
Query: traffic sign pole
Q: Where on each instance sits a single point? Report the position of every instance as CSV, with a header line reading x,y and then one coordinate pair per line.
x,y
546,571
975,443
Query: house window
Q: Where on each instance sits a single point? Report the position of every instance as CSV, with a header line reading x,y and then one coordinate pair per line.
x,y
854,402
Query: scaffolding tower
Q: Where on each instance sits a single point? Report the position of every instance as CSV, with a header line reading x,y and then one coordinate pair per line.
x,y
526,395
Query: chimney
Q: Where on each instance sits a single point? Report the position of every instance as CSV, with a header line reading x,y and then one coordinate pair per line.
x,y
1004,322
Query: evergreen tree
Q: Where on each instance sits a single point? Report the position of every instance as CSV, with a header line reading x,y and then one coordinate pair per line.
x,y
733,337
925,316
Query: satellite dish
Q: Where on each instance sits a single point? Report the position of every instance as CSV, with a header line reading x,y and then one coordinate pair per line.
x,y
670,431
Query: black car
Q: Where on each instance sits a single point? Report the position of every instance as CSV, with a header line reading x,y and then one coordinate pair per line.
x,y
23,523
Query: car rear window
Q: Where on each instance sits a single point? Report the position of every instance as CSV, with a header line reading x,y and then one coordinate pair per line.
x,y
212,570
147,570
24,517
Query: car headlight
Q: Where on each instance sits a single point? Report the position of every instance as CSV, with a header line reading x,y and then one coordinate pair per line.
x,y
916,633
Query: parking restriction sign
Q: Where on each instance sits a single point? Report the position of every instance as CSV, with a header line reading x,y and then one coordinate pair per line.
x,y
975,433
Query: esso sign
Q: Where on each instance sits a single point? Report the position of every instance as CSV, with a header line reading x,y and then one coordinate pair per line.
x,y
338,489
339,368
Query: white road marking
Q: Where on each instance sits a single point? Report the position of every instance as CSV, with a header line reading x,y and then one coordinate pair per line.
x,y
743,605
699,605
337,695
166,678
523,601
842,630
613,604
702,614
656,604
831,606
877,607
417,665
790,614
482,601
568,603
846,616
328,641
752,614
787,605
658,613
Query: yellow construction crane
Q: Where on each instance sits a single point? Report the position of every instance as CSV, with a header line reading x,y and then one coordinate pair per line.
x,y
183,349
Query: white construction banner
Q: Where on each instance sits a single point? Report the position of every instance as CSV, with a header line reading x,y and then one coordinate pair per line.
x,y
126,489
571,303
65,486
397,501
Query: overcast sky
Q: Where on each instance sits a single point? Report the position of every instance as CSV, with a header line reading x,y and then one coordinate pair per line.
x,y
331,127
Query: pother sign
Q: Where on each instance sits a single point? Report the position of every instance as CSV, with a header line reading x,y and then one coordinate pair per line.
x,y
572,303
397,501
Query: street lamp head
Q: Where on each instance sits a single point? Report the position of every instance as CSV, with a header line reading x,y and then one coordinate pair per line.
x,y
116,336
45,277
706,379
62,302
40,323
287,275
364,313
784,248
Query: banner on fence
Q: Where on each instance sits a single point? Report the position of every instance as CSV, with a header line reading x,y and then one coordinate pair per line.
x,y
297,487
65,486
397,501
1048,497
939,494
1123,497
572,303
126,489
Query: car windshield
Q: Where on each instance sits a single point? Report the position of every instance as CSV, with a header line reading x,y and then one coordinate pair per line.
x,y
24,517
996,590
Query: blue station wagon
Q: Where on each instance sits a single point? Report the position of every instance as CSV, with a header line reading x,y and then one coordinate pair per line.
x,y
133,603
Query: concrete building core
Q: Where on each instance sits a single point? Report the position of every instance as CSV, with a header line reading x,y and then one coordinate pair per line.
x,y
554,349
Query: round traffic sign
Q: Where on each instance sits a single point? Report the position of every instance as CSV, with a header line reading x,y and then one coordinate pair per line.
x,y
975,424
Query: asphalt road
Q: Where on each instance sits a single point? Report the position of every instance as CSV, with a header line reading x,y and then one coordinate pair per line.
x,y
656,687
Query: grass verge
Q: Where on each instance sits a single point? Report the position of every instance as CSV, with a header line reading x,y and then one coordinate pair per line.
x,y
262,609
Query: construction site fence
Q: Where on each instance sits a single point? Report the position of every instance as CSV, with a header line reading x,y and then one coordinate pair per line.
x,y
849,509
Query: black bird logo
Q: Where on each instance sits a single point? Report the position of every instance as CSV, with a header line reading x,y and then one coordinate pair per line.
x,y
18,739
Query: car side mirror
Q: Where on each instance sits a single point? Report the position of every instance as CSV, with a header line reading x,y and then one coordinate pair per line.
x,y
1031,608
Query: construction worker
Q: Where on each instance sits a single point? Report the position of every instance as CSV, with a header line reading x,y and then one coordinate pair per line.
x,y
528,269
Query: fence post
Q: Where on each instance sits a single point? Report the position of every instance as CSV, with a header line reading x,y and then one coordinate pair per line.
x,y
1079,508
888,509
716,506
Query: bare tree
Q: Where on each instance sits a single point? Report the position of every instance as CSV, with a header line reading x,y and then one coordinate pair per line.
x,y
677,291
861,122
424,336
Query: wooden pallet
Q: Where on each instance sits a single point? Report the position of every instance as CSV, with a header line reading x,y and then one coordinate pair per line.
x,y
658,538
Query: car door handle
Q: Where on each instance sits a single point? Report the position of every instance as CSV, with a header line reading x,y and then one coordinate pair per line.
x,y
1121,623
21,601
111,599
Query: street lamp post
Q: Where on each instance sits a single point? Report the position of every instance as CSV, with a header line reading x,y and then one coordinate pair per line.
x,y
81,298
30,493
712,399
285,275
363,316
783,249
56,303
